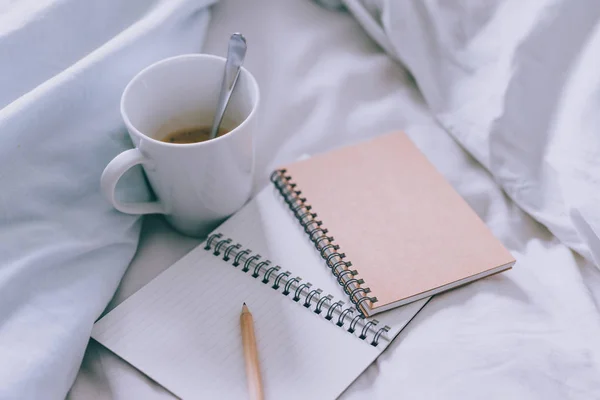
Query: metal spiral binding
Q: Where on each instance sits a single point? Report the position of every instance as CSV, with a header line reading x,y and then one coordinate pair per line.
x,y
298,290
354,287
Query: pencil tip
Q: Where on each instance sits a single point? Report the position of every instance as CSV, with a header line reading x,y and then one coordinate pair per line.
x,y
244,303
245,308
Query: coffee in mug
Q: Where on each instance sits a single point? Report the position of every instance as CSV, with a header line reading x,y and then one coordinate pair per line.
x,y
192,135
198,184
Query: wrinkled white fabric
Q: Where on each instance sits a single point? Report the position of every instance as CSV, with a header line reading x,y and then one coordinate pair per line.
x,y
517,84
530,333
63,249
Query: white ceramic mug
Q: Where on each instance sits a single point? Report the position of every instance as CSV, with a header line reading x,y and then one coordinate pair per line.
x,y
197,185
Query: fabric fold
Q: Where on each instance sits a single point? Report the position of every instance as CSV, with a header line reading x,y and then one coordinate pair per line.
x,y
63,249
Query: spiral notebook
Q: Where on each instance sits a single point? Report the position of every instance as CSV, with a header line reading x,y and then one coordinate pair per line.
x,y
182,329
312,295
389,226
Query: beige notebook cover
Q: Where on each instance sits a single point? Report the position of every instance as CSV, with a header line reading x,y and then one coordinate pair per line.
x,y
388,224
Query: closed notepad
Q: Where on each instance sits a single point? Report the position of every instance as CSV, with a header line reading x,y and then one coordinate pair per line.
x,y
391,221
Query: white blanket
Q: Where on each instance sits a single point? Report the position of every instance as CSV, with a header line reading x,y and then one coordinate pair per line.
x,y
517,85
63,250
526,334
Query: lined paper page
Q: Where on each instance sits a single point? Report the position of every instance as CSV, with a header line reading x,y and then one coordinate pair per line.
x,y
182,330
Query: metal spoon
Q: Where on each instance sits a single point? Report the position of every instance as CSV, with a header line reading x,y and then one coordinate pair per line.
x,y
235,58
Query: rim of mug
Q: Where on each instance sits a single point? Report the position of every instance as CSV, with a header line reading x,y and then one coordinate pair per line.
x,y
137,76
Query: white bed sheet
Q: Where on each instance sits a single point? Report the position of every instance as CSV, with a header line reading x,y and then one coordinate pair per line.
x,y
517,85
63,248
533,332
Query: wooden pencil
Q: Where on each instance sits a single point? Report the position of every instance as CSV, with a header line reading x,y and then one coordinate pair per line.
x,y
251,355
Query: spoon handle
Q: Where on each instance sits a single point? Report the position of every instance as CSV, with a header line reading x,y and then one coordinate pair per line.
x,y
235,58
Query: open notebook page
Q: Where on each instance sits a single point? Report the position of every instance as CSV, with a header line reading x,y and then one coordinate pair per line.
x,y
182,330
268,227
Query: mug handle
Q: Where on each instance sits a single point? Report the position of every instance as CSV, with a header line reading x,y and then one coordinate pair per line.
x,y
111,175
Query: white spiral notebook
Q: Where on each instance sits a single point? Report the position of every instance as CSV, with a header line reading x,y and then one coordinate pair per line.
x,y
182,329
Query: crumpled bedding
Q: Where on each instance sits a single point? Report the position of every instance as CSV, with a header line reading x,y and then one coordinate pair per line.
x,y
529,333
517,85
63,249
